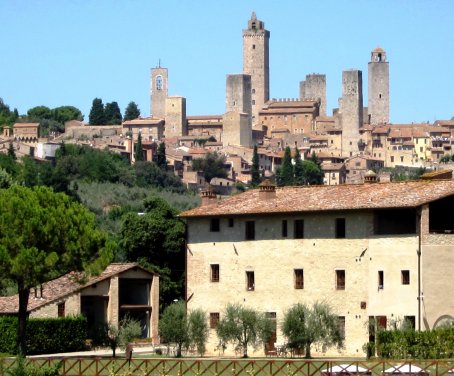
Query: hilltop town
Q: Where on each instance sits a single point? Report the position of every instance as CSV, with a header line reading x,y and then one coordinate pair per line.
x,y
350,141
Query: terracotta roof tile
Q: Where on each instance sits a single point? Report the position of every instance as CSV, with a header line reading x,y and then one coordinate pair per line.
x,y
329,198
61,287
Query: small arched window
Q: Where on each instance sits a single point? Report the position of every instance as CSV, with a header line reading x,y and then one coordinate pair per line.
x,y
158,82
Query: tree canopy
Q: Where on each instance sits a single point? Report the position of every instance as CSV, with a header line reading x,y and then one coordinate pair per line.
x,y
7,117
96,116
212,165
304,326
307,172
243,327
56,236
184,329
131,112
112,114
156,239
138,152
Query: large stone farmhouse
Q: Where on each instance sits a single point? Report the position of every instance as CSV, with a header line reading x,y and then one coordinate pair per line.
x,y
378,253
120,290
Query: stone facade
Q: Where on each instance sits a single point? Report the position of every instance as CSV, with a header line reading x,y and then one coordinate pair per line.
x,y
237,129
238,94
351,111
289,115
175,117
158,91
314,86
256,63
378,91
362,249
122,289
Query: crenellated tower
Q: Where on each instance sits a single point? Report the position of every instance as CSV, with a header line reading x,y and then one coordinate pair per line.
x,y
256,63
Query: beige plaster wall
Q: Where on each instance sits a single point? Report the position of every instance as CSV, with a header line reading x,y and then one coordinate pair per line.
x,y
274,258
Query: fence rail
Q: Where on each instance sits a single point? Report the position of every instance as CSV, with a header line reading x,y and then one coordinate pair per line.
x,y
234,367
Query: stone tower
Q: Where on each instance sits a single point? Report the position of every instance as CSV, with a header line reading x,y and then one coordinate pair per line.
x,y
175,117
158,92
378,105
256,63
314,87
351,111
238,94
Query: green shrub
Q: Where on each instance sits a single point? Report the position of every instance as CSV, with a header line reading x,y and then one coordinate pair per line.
x,y
410,344
45,336
20,368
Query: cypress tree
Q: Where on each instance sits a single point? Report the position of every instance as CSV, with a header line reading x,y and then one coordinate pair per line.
x,y
287,168
255,171
131,112
138,152
11,151
112,114
298,168
161,160
96,116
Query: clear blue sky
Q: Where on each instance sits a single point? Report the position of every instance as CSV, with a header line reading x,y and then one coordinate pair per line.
x,y
67,52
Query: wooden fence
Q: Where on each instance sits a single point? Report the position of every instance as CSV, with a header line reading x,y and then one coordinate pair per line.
x,y
233,367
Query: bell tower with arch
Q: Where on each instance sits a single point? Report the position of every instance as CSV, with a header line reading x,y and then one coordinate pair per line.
x,y
158,91
378,90
256,63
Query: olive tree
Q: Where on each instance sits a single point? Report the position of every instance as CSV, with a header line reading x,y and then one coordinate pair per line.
x,y
243,327
304,326
184,329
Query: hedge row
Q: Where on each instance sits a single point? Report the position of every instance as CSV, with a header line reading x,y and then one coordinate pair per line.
x,y
45,336
410,344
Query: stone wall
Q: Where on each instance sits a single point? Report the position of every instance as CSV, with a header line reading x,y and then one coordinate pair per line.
x,y
273,259
256,63
175,117
314,86
72,307
351,111
158,91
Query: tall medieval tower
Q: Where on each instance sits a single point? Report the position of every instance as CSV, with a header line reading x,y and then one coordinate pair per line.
x,y
378,106
351,111
256,63
314,87
158,91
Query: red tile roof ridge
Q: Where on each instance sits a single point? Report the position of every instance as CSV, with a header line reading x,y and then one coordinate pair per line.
x,y
407,194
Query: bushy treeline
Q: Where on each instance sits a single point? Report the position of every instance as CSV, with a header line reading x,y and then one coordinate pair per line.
x,y
83,163
411,344
45,336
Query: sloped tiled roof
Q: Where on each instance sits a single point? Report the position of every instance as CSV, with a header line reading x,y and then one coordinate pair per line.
x,y
408,194
60,287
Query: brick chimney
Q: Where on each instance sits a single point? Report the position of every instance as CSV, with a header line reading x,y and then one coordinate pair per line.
x,y
370,177
267,190
208,196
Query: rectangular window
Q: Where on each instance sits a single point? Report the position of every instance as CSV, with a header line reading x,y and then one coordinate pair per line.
x,y
340,228
231,222
61,309
250,230
381,280
214,272
410,322
284,228
392,158
340,279
299,279
250,281
405,276
341,325
214,319
299,229
214,225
